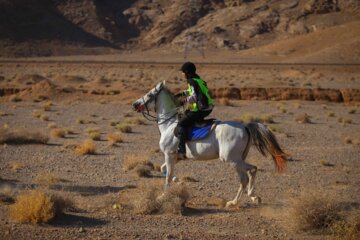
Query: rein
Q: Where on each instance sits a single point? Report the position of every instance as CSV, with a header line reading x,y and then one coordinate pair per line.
x,y
153,118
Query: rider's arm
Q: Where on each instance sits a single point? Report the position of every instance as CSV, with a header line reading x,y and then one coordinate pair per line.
x,y
192,98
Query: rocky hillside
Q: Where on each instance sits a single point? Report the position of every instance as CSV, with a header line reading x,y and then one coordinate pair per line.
x,y
61,27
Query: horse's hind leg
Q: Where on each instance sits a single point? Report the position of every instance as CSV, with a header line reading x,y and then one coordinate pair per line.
x,y
244,180
251,171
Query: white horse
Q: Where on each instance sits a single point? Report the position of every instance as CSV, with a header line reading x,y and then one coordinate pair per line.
x,y
229,141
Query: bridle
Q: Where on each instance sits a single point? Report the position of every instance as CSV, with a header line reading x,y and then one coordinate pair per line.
x,y
159,120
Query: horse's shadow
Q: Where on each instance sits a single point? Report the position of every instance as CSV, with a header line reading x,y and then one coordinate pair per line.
x,y
71,220
83,190
198,212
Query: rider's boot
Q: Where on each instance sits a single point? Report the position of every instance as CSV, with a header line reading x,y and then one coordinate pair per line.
x,y
181,147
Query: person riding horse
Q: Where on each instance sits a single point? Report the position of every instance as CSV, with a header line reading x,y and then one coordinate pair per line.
x,y
201,104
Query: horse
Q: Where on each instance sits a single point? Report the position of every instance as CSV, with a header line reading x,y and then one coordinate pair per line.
x,y
229,141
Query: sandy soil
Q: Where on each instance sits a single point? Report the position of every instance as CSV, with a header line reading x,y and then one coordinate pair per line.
x,y
96,182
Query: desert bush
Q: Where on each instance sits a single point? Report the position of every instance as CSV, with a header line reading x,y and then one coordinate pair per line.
x,y
113,123
225,102
46,180
132,160
330,114
21,136
69,130
37,207
304,118
58,133
135,121
16,166
47,106
326,163
114,138
92,130
52,125
247,118
125,128
15,98
352,110
347,229
143,170
80,121
87,147
96,136
172,201
44,117
312,211
36,114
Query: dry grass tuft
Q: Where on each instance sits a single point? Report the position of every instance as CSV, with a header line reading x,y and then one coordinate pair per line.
x,y
21,136
132,160
247,118
15,98
37,207
347,229
312,211
36,114
143,170
96,136
171,202
52,125
188,179
135,121
46,180
58,133
330,114
44,117
87,147
304,118
326,163
47,106
352,110
114,138
225,102
16,166
124,128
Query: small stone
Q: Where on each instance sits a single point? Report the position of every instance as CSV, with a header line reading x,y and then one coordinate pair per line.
x,y
81,229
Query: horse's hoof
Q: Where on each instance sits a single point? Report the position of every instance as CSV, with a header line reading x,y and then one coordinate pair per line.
x,y
229,204
256,200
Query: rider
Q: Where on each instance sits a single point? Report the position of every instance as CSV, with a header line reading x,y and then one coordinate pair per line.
x,y
201,104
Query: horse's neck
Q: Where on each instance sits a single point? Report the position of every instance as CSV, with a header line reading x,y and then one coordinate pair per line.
x,y
165,109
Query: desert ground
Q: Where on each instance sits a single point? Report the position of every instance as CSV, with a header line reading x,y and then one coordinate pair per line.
x,y
321,136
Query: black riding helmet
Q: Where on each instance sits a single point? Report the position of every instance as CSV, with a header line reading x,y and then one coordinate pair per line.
x,y
188,68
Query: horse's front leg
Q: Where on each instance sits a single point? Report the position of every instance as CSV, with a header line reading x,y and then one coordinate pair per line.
x,y
170,162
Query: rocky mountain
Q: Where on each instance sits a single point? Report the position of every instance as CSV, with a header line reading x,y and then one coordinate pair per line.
x,y
61,27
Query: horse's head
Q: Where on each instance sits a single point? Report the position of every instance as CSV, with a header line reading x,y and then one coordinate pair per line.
x,y
148,100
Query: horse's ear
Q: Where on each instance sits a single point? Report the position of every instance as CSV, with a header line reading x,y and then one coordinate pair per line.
x,y
163,83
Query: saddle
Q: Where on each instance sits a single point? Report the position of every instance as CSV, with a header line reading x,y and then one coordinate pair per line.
x,y
201,129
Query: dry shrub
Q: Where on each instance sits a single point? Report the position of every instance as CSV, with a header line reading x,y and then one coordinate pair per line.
x,y
326,163
22,136
92,130
132,160
135,121
87,147
304,118
124,128
37,207
16,166
69,130
152,202
47,106
80,121
247,118
313,211
46,180
352,110
96,136
52,125
58,133
44,117
143,170
347,229
188,179
114,138
15,98
36,114
225,102
330,114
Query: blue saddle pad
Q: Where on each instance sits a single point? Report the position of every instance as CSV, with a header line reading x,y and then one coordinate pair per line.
x,y
196,133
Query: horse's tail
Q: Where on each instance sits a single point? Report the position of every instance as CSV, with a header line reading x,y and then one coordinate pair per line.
x,y
266,143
